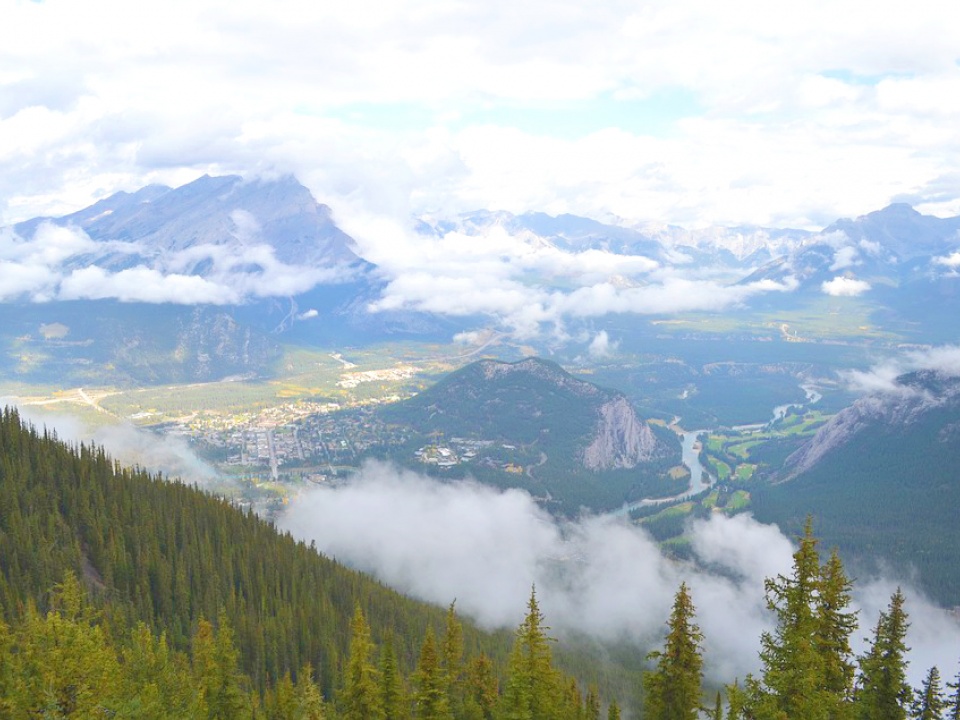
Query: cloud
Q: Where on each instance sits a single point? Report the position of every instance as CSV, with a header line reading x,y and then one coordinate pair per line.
x,y
845,257
842,286
525,283
601,576
58,263
674,111
131,446
142,284
601,347
881,378
951,261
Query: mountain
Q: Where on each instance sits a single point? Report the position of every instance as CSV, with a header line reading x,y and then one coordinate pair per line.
x,y
880,479
187,284
124,595
177,229
536,426
890,247
735,247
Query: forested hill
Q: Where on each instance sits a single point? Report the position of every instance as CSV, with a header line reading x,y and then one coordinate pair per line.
x,y
125,595
169,555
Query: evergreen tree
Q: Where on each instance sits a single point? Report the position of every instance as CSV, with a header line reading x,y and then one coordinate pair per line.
x,y
393,698
430,700
834,627
591,710
482,689
216,667
452,660
360,696
67,666
929,702
309,702
717,713
7,671
613,712
953,702
673,690
533,687
882,689
806,660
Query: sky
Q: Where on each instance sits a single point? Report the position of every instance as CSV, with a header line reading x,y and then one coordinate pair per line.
x,y
687,112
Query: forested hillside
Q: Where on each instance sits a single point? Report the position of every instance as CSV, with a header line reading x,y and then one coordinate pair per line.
x,y
889,492
125,595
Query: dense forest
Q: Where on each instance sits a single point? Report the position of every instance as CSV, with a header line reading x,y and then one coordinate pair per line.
x,y
889,494
127,596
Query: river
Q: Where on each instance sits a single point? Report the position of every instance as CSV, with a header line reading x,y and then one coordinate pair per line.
x,y
700,478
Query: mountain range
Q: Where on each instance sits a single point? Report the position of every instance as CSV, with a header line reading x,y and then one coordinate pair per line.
x,y
249,265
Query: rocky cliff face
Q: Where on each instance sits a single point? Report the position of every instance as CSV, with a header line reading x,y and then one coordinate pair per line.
x,y
914,395
621,440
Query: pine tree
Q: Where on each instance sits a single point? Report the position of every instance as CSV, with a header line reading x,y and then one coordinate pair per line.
x,y
834,627
451,660
309,702
591,710
882,689
67,665
673,690
953,702
533,687
929,702
6,670
613,712
430,698
807,659
717,713
216,667
393,699
360,696
482,688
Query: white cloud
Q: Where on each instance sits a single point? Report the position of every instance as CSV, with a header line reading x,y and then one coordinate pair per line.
x,y
601,576
601,346
950,261
842,286
142,284
678,111
845,257
882,377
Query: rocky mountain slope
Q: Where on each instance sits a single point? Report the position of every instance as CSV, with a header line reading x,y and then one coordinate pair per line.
x,y
593,449
915,398
881,481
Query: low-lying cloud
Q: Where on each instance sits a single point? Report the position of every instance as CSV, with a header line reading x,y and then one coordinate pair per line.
x,y
601,575
526,284
842,286
881,378
131,446
64,263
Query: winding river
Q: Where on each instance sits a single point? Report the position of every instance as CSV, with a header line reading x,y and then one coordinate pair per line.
x,y
700,478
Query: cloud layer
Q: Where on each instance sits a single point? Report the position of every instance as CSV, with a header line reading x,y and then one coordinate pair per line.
x,y
882,377
600,576
682,112
55,264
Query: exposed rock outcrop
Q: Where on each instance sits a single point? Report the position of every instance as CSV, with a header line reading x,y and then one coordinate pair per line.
x,y
622,440
913,395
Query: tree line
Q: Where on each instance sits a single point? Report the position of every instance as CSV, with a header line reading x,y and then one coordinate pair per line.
x,y
808,669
